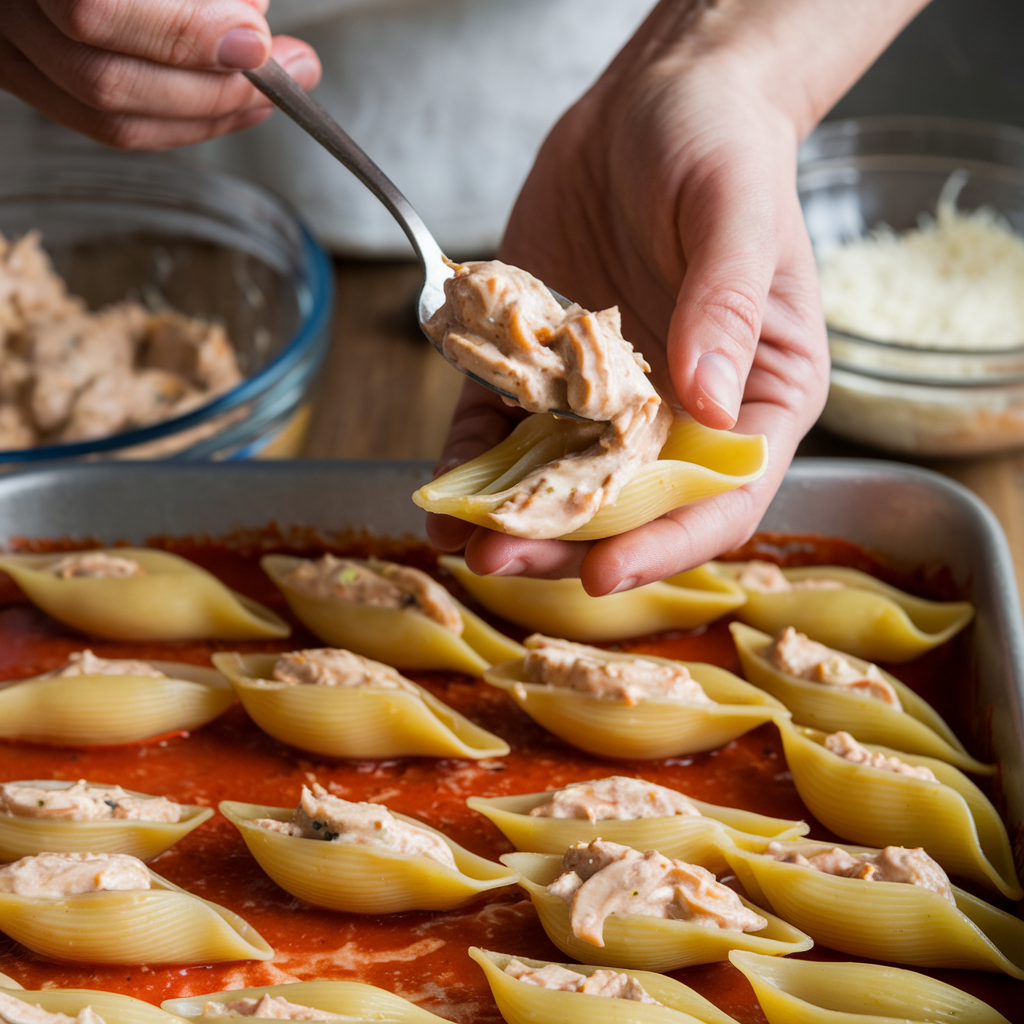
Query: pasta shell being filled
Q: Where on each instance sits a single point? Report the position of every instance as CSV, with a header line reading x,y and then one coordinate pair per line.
x,y
886,806
354,721
693,837
423,628
564,608
696,462
900,922
138,594
802,992
65,831
110,1007
845,609
97,701
523,1002
913,725
390,864
616,718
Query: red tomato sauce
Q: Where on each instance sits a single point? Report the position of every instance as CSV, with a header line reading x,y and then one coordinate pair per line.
x,y
421,956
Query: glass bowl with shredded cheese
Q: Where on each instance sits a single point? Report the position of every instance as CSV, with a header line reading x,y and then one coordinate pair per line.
x,y
918,229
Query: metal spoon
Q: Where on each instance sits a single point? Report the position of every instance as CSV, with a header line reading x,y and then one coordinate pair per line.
x,y
284,92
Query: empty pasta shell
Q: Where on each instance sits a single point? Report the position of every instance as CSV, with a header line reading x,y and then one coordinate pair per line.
x,y
399,637
113,1007
866,617
951,818
102,710
356,722
563,608
918,728
802,992
680,836
649,729
696,462
522,1003
894,921
173,599
163,924
361,879
644,943
22,836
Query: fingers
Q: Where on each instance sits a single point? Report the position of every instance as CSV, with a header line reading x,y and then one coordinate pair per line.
x,y
496,554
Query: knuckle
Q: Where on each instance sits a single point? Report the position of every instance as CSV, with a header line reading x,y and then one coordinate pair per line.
x,y
122,132
184,35
84,20
737,314
104,83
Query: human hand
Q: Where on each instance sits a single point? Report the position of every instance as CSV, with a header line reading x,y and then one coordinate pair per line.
x,y
145,74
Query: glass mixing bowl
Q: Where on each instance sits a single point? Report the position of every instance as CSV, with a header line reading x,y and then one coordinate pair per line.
x,y
200,242
919,401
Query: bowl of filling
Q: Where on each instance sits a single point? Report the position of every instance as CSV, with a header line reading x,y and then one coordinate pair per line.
x,y
153,309
918,228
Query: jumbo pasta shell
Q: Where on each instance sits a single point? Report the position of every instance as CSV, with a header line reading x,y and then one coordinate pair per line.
x,y
803,992
174,599
360,879
951,818
696,462
398,637
644,943
918,728
113,1007
648,729
24,837
680,836
894,921
163,924
563,608
522,1003
356,722
866,618
104,710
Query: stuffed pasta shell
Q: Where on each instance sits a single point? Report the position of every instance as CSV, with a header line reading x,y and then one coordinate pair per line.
x,y
878,796
540,992
338,703
139,594
830,690
632,812
108,908
802,992
563,608
892,904
389,612
47,815
631,706
845,609
360,857
77,1006
617,907
91,701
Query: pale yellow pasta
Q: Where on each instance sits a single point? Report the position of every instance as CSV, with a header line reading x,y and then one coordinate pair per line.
x,y
696,462
803,992
918,728
172,599
400,637
350,721
8,982
644,943
102,710
113,1007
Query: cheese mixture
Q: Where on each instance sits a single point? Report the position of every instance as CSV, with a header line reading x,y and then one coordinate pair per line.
x,y
85,663
270,1008
68,874
611,984
768,578
83,802
332,666
614,799
96,565
17,1011
843,745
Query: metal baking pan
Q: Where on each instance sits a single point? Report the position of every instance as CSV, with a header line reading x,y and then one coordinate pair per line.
x,y
911,516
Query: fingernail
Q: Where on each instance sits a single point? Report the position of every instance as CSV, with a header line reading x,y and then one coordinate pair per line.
x,y
510,568
627,584
242,48
718,383
302,68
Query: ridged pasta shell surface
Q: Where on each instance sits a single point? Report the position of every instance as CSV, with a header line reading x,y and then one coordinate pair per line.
x,y
400,637
361,879
105,710
696,462
802,992
356,722
644,943
918,728
563,608
173,599
866,617
894,921
113,1007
